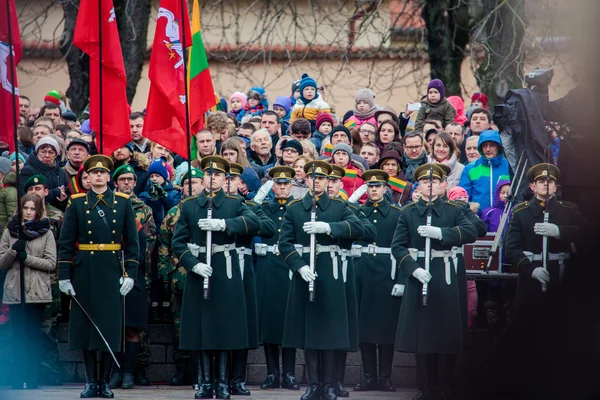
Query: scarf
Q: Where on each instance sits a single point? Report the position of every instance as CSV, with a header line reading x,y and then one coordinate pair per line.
x,y
258,108
366,114
31,229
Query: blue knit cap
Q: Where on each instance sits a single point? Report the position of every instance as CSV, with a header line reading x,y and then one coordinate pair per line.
x,y
159,166
251,179
306,82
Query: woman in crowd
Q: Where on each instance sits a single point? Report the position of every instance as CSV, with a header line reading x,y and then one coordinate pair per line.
x,y
391,162
27,242
233,152
299,186
387,132
445,151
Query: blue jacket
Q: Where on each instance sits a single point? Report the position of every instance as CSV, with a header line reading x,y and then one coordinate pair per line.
x,y
161,205
480,177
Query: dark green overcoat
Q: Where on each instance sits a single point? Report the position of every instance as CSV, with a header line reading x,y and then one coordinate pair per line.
x,y
322,324
267,229
378,309
273,279
436,327
95,274
220,322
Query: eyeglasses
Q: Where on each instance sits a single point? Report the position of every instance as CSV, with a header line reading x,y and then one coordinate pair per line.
x,y
126,179
290,150
48,152
367,131
413,148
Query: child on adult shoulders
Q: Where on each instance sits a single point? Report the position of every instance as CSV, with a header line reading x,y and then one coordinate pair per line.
x,y
435,106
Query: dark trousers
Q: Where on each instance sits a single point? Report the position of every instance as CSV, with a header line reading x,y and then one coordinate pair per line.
x,y
26,326
435,371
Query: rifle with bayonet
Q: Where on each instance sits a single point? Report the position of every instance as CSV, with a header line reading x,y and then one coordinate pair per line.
x,y
313,238
209,212
427,264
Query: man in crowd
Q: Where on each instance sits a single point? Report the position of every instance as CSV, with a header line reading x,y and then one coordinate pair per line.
x,y
270,122
138,142
96,226
24,105
205,141
370,152
77,151
138,161
261,146
51,111
414,155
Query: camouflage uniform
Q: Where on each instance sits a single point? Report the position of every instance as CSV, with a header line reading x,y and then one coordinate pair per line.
x,y
170,270
52,313
143,214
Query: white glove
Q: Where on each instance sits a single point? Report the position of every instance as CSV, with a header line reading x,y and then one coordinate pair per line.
x,y
66,287
202,269
307,274
422,275
316,227
397,290
263,191
541,275
358,193
210,224
430,231
547,229
126,285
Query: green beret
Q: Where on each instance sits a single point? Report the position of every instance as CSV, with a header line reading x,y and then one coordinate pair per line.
x,y
34,180
196,173
123,169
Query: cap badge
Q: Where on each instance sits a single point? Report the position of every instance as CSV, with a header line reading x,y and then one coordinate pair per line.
x,y
36,180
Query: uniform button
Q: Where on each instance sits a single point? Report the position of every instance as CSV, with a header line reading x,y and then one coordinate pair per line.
x,y
280,218
375,221
113,232
113,242
115,211
89,232
91,252
89,222
114,221
85,202
113,252
87,212
374,211
281,208
91,242
278,230
115,202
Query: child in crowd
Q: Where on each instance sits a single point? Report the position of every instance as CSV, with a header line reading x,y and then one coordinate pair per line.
x,y
342,156
435,106
249,183
491,215
479,100
310,104
364,110
324,125
256,104
159,194
295,91
283,108
237,103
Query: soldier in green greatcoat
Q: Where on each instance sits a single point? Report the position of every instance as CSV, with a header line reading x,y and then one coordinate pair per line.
x,y
380,302
98,225
273,279
432,330
334,186
218,323
173,275
321,326
243,244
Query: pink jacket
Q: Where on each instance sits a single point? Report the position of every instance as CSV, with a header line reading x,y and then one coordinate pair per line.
x,y
353,121
459,106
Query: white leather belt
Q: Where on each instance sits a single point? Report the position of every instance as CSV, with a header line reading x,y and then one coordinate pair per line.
x,y
262,249
242,253
333,251
216,248
373,249
560,257
448,256
344,255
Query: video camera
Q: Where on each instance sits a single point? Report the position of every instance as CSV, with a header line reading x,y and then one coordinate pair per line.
x,y
539,80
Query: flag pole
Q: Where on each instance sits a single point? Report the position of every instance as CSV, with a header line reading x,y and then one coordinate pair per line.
x,y
100,134
188,131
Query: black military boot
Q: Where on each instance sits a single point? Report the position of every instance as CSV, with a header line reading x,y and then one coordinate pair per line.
x,y
288,359
313,391
369,361
140,376
129,359
386,359
328,358
238,383
272,358
340,371
117,377
89,364
183,368
222,389
106,363
206,384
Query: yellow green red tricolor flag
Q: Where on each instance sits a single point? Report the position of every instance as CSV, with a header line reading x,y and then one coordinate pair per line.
x,y
396,184
201,91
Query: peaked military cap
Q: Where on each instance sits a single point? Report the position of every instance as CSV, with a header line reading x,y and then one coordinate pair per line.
x,y
322,168
542,170
196,173
427,170
282,174
337,172
235,169
123,169
375,177
217,163
98,161
33,181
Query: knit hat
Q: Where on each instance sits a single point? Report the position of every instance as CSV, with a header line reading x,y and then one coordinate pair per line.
x,y
341,128
240,96
480,97
13,157
256,93
439,85
250,179
79,142
295,86
69,116
365,95
457,192
159,166
52,97
47,140
342,147
129,147
33,181
294,144
306,82
4,166
284,102
323,117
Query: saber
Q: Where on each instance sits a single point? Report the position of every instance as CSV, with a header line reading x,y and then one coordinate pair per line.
x,y
424,292
97,330
209,212
546,219
313,239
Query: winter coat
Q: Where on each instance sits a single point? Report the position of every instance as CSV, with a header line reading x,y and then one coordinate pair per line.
x,y
456,169
442,111
160,206
409,166
8,199
299,189
55,178
479,177
310,110
39,265
492,215
459,106
354,121
350,184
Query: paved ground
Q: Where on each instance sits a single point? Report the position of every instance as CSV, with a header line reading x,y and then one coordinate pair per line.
x,y
166,392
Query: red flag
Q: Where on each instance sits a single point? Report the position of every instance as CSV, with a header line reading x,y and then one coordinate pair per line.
x,y
115,130
8,69
165,121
